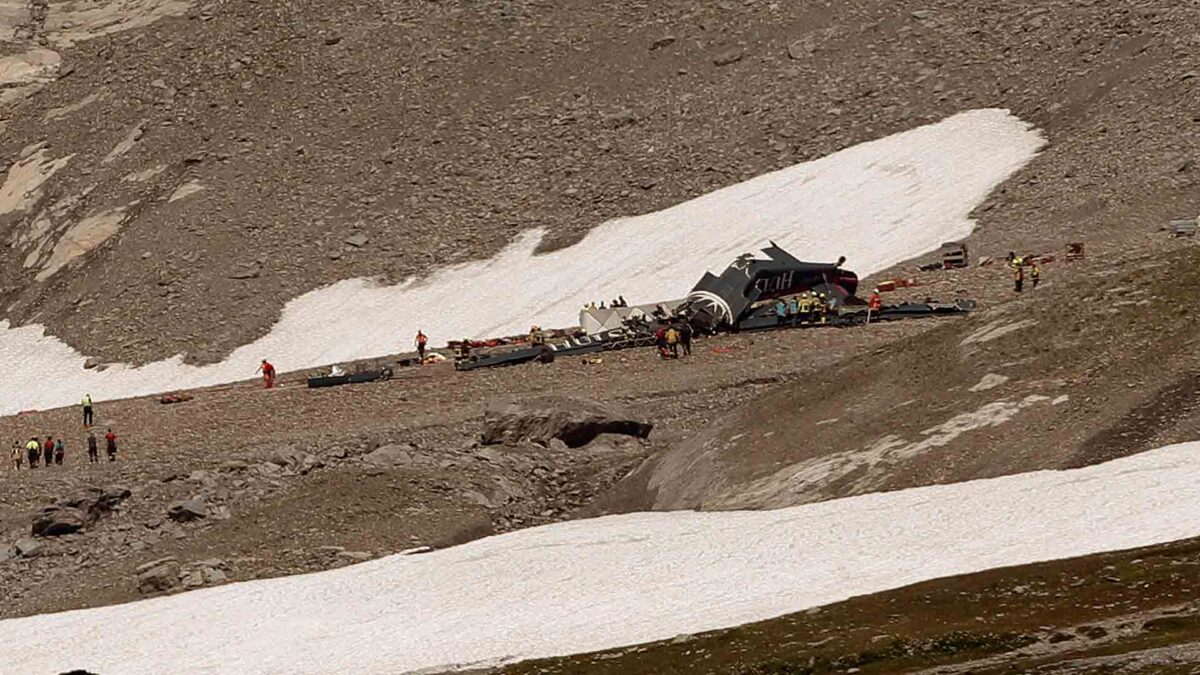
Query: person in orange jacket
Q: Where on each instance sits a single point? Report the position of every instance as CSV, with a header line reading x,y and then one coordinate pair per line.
x,y
874,305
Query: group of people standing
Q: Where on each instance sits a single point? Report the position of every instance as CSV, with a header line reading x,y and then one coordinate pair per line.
x,y
806,307
616,303
671,339
52,451
1018,265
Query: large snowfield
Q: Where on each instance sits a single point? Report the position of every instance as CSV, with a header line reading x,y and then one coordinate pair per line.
x,y
619,580
877,203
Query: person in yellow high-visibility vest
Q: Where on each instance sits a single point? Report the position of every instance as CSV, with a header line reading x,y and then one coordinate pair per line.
x,y
804,307
33,450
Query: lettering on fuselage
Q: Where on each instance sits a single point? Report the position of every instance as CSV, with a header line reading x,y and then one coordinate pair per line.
x,y
591,340
775,284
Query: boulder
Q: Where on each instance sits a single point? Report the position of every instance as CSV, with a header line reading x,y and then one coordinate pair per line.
x,y
157,576
390,456
26,547
78,510
575,422
187,510
729,56
295,461
55,521
664,41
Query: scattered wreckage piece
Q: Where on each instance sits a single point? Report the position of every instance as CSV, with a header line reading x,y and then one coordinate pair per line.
x,y
735,301
322,381
1184,228
951,255
624,337
765,318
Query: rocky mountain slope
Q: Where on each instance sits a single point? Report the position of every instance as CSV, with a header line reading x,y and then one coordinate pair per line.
x,y
175,172
179,171
290,477
1094,365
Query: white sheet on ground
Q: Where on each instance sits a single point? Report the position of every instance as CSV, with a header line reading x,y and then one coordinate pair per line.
x,y
594,584
877,203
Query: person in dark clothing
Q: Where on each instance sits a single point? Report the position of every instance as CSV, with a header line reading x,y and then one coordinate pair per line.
x,y
685,338
421,342
93,448
1018,279
48,451
87,410
110,440
32,449
60,451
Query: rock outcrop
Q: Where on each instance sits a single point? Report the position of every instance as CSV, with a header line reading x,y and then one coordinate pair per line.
x,y
77,511
575,422
187,510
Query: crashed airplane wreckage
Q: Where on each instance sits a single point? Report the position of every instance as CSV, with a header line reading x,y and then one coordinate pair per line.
x,y
735,301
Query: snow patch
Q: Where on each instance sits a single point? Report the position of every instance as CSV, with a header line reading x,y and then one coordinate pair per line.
x,y
22,74
55,114
186,190
71,21
877,203
871,466
588,585
126,144
989,381
995,330
146,175
82,237
22,188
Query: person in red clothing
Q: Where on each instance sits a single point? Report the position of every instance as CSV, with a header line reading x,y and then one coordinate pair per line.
x,y
110,440
48,451
660,341
874,304
268,373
